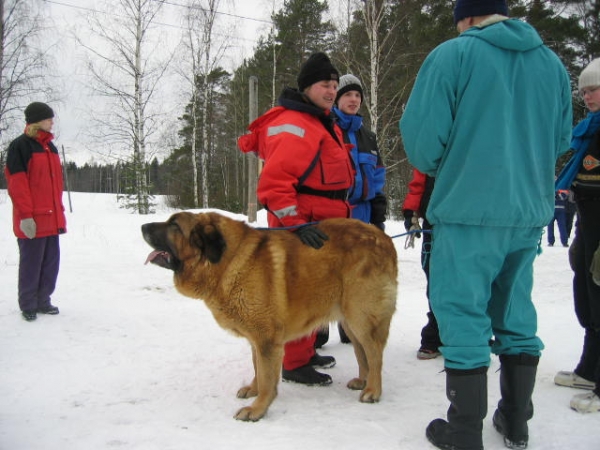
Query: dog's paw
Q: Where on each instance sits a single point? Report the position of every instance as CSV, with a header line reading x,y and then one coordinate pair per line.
x,y
369,396
248,414
356,384
247,392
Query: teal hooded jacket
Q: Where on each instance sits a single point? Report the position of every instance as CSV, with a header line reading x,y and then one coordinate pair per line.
x,y
489,114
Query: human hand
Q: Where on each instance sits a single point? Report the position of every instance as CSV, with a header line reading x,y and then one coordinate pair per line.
x,y
312,236
408,215
595,266
28,227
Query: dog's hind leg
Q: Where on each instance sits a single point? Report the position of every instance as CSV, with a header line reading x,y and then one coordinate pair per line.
x,y
267,361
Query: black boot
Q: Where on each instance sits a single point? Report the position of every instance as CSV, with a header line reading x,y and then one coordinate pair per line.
x,y
467,392
517,379
322,337
343,336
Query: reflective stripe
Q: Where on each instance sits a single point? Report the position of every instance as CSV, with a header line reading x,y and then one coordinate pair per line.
x,y
288,211
286,128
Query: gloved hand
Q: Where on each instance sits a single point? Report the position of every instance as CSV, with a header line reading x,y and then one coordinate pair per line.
x,y
311,235
408,215
28,227
411,222
595,267
380,225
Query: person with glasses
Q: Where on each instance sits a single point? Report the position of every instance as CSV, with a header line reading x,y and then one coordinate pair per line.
x,y
474,121
581,174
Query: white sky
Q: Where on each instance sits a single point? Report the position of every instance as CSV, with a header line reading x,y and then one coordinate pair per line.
x,y
245,20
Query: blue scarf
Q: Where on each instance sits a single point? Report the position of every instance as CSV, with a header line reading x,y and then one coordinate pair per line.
x,y
582,135
348,123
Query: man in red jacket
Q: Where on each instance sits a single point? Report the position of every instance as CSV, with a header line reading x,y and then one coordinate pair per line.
x,y
35,186
305,178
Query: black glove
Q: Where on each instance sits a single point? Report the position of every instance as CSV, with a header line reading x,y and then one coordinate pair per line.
x,y
311,235
408,215
380,225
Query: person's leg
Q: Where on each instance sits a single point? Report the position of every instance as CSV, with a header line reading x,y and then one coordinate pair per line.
x,y
464,263
49,274
297,365
551,231
430,333
31,253
561,221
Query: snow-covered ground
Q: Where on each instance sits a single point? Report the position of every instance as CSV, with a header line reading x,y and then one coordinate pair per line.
x,y
131,364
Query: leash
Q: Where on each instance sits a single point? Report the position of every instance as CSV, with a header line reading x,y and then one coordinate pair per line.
x,y
411,234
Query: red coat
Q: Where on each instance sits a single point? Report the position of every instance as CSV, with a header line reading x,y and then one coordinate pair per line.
x,y
416,189
290,142
35,184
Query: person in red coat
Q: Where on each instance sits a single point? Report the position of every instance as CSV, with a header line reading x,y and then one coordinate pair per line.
x,y
35,186
306,177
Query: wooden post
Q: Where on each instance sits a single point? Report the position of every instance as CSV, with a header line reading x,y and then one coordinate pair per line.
x,y
253,161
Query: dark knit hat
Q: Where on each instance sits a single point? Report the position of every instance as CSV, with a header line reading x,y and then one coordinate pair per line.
x,y
475,8
38,111
317,67
348,83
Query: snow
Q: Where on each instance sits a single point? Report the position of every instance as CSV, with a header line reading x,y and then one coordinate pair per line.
x,y
130,363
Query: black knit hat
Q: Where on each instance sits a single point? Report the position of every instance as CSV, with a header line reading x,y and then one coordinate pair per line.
x,y
317,67
475,8
38,111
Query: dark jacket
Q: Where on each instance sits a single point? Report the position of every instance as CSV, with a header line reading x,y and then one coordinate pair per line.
x,y
35,184
366,196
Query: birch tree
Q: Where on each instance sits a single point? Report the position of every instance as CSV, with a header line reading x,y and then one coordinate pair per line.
x,y
203,53
24,62
127,62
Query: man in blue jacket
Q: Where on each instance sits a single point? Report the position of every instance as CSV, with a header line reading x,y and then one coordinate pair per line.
x,y
488,116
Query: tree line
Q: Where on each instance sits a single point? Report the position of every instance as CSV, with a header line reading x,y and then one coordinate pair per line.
x,y
383,42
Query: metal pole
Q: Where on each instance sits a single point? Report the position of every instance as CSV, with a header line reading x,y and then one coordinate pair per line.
x,y
253,162
66,178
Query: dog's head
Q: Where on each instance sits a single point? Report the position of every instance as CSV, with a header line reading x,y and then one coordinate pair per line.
x,y
185,236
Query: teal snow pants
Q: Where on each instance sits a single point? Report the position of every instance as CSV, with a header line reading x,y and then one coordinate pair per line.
x,y
481,280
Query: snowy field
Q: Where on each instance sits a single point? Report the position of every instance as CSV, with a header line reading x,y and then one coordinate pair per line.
x,y
131,364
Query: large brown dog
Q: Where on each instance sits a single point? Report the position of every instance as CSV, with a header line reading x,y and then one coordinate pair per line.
x,y
270,288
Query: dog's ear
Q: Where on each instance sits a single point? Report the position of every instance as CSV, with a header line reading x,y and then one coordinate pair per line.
x,y
209,240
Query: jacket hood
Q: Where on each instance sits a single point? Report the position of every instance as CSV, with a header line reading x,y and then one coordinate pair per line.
x,y
509,34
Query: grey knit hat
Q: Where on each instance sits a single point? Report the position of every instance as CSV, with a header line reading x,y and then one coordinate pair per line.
x,y
348,83
590,76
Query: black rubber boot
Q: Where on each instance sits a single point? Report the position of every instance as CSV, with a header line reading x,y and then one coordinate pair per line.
x,y
343,336
322,337
517,380
467,392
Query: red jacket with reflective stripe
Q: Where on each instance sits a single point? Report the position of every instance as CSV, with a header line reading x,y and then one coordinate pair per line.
x,y
35,184
288,141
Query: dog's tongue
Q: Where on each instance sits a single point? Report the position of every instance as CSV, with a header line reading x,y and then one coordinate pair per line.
x,y
153,255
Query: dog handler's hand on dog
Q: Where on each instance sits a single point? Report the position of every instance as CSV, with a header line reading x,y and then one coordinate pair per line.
x,y
28,227
311,235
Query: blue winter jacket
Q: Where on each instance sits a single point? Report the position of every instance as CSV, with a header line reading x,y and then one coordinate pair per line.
x,y
366,196
488,116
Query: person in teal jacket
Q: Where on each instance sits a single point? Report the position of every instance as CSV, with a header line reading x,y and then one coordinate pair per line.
x,y
489,114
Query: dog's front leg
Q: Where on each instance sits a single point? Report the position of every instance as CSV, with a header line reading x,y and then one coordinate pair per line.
x,y
250,390
267,362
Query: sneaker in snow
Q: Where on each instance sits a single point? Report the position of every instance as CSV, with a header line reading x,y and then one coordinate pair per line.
x,y
425,353
571,379
586,403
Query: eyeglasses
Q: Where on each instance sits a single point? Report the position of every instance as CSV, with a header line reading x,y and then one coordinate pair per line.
x,y
590,90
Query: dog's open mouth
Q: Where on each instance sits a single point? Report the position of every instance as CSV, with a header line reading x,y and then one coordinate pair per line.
x,y
160,258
